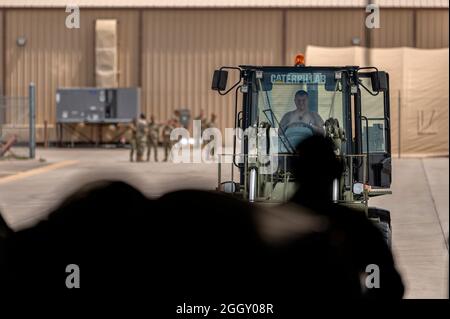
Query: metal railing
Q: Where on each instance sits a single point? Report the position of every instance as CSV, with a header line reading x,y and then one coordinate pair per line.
x,y
17,125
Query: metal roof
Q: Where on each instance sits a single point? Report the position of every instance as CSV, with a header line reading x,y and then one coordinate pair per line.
x,y
222,3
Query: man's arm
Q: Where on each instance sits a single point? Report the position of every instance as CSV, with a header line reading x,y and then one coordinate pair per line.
x,y
285,120
317,125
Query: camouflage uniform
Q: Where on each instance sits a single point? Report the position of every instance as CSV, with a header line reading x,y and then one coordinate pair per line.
x,y
167,143
210,124
207,125
203,122
133,142
141,138
152,140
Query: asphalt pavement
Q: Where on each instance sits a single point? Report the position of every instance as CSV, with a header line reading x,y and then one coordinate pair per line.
x,y
419,204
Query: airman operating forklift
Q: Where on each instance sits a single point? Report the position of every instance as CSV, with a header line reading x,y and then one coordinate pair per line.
x,y
352,104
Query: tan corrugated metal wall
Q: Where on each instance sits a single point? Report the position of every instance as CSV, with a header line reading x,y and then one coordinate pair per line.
x,y
396,29
55,56
322,27
432,29
181,49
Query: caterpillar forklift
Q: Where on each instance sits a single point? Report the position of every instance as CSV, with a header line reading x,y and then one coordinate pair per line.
x,y
350,106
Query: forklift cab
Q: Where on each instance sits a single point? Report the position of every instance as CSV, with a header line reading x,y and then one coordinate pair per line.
x,y
349,105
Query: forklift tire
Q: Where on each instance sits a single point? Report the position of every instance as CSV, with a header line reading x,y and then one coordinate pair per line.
x,y
386,232
383,224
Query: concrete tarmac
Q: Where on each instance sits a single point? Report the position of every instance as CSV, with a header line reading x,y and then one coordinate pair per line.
x,y
419,205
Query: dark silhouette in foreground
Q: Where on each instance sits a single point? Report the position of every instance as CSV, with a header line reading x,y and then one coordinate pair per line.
x,y
359,242
101,228
204,246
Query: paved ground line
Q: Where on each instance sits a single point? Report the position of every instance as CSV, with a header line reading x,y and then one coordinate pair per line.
x,y
427,181
36,171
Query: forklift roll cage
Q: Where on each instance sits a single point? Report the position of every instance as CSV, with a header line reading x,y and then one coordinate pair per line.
x,y
366,166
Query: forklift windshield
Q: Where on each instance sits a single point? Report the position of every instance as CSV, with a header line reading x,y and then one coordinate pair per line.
x,y
349,105
300,105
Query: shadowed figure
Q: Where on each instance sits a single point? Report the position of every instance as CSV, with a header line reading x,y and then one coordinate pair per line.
x,y
356,238
202,246
101,228
214,249
211,246
186,243
5,233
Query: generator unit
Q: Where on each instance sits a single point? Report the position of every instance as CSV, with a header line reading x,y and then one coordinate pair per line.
x,y
97,105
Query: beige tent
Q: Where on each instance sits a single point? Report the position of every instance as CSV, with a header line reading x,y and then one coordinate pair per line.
x,y
419,93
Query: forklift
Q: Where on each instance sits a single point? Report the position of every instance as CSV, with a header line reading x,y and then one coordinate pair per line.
x,y
352,104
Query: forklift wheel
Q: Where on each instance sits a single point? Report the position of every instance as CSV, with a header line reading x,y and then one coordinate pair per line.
x,y
384,223
386,232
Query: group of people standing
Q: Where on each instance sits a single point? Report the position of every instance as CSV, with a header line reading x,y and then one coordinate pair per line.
x,y
145,135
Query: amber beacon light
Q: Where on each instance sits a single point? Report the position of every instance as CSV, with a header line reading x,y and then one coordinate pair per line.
x,y
299,60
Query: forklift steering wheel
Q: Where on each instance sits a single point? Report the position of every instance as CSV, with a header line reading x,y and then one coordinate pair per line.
x,y
296,133
297,124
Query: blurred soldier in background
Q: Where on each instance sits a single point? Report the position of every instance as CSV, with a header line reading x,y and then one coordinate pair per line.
x,y
133,141
152,138
184,118
201,117
212,122
167,144
176,115
209,124
141,137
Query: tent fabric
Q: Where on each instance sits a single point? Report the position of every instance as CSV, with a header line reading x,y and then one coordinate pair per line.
x,y
106,53
419,97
